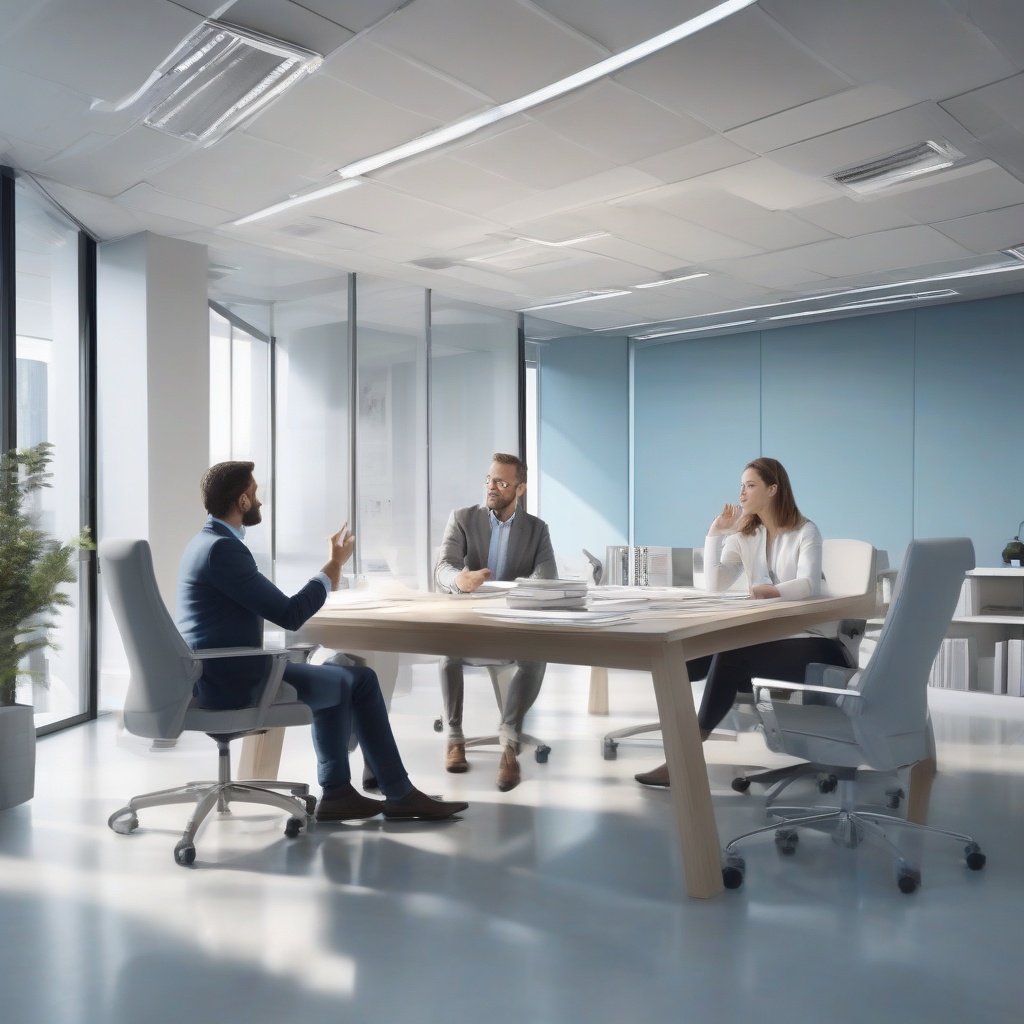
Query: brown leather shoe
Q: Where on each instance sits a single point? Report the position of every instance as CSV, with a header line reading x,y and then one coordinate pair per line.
x,y
419,805
455,760
656,777
509,775
347,805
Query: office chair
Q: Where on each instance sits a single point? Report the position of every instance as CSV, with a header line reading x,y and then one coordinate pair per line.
x,y
874,718
162,670
500,673
847,569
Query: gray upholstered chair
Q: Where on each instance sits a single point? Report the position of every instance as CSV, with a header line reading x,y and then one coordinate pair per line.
x,y
878,719
158,705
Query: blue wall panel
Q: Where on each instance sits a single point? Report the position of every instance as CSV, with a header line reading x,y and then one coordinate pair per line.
x,y
697,415
970,423
838,412
583,440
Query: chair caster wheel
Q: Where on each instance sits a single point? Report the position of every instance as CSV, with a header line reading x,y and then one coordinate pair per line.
x,y
827,783
786,841
184,854
438,725
974,857
123,822
540,755
310,802
893,798
292,827
909,879
609,750
741,785
732,872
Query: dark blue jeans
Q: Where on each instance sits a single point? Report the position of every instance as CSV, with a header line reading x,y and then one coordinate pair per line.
x,y
343,699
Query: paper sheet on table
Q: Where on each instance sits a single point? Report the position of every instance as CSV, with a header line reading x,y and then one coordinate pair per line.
x,y
598,595
555,618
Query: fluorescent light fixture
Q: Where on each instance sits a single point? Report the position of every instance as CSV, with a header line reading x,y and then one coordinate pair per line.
x,y
297,199
571,302
218,77
468,125
671,280
568,241
695,330
893,168
854,307
1015,252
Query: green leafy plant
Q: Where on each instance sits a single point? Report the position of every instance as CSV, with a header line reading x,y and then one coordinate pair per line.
x,y
33,566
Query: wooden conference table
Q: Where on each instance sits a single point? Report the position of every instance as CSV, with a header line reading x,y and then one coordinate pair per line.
x,y
659,641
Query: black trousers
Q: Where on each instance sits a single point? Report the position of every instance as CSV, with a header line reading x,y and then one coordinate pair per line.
x,y
732,672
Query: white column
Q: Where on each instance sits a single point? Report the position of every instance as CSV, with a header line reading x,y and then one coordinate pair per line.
x,y
153,394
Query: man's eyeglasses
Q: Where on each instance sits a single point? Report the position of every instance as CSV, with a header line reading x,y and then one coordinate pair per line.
x,y
502,485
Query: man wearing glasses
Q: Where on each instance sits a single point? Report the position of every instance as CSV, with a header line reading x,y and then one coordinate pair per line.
x,y
494,541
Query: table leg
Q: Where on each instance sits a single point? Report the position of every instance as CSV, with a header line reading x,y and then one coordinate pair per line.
x,y
261,755
690,791
598,704
920,790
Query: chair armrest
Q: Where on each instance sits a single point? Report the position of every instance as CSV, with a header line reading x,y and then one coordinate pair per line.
x,y
778,684
271,685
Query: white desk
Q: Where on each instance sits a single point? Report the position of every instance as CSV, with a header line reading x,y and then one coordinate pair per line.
x,y
659,642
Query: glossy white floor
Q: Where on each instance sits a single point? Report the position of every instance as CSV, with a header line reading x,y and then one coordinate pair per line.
x,y
557,902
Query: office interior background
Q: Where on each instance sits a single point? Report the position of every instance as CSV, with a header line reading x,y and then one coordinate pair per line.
x,y
641,284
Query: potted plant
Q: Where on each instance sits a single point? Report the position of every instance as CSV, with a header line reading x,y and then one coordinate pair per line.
x,y
34,569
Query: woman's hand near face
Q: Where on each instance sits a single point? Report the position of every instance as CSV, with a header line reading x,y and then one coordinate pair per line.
x,y
727,520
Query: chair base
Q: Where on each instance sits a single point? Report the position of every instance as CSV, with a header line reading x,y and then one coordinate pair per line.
x,y
293,797
849,826
540,748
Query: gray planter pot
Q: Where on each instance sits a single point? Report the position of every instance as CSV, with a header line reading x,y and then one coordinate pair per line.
x,y
17,755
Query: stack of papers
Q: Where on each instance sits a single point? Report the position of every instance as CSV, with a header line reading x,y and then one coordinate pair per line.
x,y
543,594
554,617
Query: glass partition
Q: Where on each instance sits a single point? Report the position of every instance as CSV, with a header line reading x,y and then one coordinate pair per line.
x,y
391,431
49,408
474,402
312,371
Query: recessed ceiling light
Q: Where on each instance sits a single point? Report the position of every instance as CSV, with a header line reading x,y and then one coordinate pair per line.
x,y
859,304
567,241
671,280
893,168
218,77
593,297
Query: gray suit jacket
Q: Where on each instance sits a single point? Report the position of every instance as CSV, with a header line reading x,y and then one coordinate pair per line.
x,y
467,538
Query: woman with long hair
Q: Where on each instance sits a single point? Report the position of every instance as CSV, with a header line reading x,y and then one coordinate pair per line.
x,y
766,537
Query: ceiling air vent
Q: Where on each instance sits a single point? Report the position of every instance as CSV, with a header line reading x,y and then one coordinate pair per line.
x,y
893,168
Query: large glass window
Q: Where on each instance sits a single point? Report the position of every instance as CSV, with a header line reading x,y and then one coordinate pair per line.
x,y
240,411
49,408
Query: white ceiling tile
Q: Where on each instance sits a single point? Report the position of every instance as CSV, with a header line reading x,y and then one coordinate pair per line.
x,y
143,197
886,250
336,122
859,103
67,41
765,182
355,15
400,81
503,49
577,195
1000,21
987,232
698,76
535,156
711,153
848,216
455,183
617,123
771,271
910,52
957,192
638,255
990,109
290,22
618,26
109,166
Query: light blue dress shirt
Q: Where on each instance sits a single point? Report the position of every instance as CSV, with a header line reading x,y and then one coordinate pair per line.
x,y
497,553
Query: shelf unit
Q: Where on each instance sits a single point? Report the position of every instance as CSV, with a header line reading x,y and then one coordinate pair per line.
x,y
991,609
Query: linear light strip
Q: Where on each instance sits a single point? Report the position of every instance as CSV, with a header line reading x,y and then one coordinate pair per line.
x,y
671,280
694,330
608,66
572,302
296,200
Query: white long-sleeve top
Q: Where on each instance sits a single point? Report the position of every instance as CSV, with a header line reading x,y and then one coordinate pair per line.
x,y
794,567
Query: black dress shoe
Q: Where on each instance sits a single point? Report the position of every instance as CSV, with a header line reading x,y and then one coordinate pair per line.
x,y
655,777
425,808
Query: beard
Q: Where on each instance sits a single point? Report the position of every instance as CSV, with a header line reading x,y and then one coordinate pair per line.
x,y
500,502
252,516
